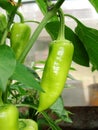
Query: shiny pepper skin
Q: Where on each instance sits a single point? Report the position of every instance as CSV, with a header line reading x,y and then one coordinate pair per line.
x,y
8,117
55,72
27,124
19,36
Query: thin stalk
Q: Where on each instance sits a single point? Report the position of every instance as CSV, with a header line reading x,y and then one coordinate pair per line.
x,y
35,35
20,16
26,105
31,21
4,36
61,35
52,124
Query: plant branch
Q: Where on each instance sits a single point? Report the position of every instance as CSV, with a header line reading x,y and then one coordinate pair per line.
x,y
36,33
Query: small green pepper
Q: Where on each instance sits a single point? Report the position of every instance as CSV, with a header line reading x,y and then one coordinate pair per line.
x,y
27,124
20,34
9,117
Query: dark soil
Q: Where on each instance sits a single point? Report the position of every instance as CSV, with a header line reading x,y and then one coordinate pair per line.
x,y
84,118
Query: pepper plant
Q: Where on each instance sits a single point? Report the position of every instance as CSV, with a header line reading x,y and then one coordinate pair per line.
x,y
21,87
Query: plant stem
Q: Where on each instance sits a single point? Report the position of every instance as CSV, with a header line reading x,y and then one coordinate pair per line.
x,y
35,35
61,35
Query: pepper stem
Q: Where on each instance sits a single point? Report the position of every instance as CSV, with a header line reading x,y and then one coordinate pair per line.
x,y
1,102
20,16
61,35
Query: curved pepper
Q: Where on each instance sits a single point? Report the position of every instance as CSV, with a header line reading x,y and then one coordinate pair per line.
x,y
8,117
56,68
27,124
55,72
20,34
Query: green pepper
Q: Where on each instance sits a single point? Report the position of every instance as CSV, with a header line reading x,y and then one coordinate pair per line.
x,y
19,36
56,70
27,124
8,117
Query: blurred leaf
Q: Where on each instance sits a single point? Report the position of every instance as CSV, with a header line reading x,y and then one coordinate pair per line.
x,y
5,4
24,76
89,37
58,108
95,4
42,123
18,87
7,65
80,55
70,77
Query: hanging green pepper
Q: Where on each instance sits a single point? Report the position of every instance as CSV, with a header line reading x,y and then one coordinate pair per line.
x,y
8,117
20,34
56,69
27,124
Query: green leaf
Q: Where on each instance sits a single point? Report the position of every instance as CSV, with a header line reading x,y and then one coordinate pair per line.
x,y
53,28
80,55
42,5
95,4
23,75
89,37
5,4
7,65
58,108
